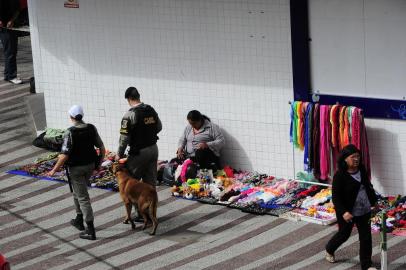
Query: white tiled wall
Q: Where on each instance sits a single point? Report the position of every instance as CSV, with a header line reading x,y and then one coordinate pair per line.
x,y
230,59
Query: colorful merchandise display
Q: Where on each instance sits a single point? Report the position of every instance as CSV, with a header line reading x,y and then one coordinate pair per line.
x,y
395,210
321,131
258,194
102,178
250,192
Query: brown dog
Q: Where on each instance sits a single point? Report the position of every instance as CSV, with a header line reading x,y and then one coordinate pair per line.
x,y
137,193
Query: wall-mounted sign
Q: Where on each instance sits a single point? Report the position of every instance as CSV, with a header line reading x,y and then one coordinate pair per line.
x,y
71,4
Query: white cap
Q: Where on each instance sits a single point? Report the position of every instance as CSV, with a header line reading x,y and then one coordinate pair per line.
x,y
76,110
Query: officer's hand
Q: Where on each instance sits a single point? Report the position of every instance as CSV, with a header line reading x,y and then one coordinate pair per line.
x,y
10,24
1,24
51,173
202,145
180,154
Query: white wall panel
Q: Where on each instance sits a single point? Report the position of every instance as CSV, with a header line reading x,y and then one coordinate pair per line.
x,y
230,59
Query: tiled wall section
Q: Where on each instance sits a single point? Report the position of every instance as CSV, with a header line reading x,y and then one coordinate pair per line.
x,y
230,59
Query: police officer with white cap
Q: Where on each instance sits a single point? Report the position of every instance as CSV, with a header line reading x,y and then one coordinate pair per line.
x,y
79,153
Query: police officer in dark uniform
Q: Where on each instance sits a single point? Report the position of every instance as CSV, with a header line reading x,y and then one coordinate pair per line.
x,y
79,153
139,129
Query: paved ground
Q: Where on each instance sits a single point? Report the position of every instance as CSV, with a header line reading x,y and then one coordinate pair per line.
x,y
34,233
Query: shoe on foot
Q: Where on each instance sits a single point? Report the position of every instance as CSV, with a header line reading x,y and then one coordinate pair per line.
x,y
330,258
89,233
78,223
372,268
16,81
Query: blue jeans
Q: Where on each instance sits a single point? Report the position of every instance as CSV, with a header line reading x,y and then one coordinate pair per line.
x,y
9,40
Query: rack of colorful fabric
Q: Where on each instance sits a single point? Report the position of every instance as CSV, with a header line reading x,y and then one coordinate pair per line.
x,y
102,178
321,131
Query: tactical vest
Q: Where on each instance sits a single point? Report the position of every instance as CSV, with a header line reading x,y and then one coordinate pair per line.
x,y
144,132
83,140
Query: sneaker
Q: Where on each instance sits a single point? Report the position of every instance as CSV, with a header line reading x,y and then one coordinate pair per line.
x,y
330,258
372,268
16,80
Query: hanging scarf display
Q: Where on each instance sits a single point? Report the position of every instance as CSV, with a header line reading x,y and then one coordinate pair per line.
x,y
321,131
308,138
300,124
316,141
324,142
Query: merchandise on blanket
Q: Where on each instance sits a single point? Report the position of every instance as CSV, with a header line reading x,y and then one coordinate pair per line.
x,y
314,215
238,205
230,194
319,198
216,190
253,178
43,165
207,200
255,209
191,189
206,175
228,171
102,178
279,210
396,214
185,167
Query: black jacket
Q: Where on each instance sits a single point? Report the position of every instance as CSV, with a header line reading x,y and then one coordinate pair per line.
x,y
346,188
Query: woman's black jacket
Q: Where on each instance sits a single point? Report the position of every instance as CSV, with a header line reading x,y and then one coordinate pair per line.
x,y
345,191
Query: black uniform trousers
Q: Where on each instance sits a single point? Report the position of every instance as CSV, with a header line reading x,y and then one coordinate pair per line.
x,y
365,239
9,40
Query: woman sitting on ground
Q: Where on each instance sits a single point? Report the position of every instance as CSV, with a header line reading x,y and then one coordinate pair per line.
x,y
201,141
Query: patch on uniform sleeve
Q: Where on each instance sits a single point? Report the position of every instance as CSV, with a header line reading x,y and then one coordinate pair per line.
x,y
65,145
124,126
149,120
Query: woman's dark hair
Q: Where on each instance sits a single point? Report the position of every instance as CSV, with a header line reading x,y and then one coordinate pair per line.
x,y
347,151
196,116
132,93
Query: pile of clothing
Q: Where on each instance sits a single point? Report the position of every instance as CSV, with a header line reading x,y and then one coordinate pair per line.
x,y
254,192
395,209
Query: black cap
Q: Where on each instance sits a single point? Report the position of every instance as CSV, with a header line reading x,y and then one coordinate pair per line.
x,y
132,93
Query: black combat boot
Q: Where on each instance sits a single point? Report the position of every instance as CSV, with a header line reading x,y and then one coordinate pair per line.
x,y
89,233
78,222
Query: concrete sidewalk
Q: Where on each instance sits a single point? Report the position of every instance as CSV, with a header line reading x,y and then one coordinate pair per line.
x,y
35,234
